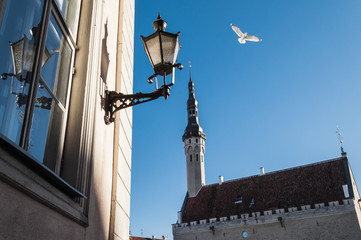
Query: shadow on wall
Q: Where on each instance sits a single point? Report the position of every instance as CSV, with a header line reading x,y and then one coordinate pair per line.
x,y
104,65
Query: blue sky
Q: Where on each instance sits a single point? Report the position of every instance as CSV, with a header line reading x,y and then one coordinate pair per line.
x,y
273,104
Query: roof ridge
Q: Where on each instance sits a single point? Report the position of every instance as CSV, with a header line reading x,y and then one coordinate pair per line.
x,y
278,171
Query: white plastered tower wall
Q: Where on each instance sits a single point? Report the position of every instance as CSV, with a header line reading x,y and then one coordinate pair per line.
x,y
194,149
194,146
356,195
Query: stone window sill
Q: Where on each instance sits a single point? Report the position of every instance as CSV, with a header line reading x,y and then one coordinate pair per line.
x,y
23,172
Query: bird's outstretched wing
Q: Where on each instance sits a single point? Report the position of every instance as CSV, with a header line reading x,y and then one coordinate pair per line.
x,y
237,30
253,38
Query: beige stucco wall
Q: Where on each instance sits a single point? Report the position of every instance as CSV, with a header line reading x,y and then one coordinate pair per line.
x,y
23,217
120,209
28,215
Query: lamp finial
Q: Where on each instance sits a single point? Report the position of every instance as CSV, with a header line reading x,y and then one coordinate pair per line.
x,y
159,24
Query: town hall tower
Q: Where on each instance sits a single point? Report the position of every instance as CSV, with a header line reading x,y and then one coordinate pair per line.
x,y
194,144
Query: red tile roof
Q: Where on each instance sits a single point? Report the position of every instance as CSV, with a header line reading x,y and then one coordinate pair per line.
x,y
306,185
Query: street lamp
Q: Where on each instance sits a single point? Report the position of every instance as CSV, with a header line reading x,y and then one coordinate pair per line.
x,y
162,50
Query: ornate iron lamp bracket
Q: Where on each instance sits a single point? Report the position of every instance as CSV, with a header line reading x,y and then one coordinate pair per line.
x,y
116,101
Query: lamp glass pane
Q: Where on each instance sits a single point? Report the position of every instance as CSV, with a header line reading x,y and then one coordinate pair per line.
x,y
153,47
169,44
176,51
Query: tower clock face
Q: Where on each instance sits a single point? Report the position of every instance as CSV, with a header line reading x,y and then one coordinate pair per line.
x,y
245,234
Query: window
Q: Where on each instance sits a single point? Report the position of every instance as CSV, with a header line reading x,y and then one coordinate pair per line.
x,y
197,159
190,157
37,46
192,113
196,140
189,141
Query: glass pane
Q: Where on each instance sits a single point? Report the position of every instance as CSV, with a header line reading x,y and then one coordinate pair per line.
x,y
169,46
70,10
19,20
54,140
45,134
154,49
39,129
56,62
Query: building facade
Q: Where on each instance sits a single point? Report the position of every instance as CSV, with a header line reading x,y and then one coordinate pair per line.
x,y
64,173
316,201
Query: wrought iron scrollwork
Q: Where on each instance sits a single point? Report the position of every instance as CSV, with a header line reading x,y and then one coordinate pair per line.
x,y
117,101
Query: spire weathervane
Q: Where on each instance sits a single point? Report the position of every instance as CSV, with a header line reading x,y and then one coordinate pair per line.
x,y
341,141
190,70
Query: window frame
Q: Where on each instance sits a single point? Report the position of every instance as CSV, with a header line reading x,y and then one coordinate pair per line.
x,y
53,176
50,9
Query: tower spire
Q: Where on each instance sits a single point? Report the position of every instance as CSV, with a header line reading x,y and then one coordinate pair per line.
x,y
190,71
193,128
194,144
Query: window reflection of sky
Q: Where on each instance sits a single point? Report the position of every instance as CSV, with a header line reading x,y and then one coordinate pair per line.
x,y
42,116
62,5
39,128
20,16
49,70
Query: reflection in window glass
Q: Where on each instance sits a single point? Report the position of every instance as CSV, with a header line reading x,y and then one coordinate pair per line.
x,y
36,124
19,22
48,123
3,4
39,129
57,61
70,10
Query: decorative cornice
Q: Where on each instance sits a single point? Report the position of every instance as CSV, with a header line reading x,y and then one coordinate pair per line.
x,y
270,216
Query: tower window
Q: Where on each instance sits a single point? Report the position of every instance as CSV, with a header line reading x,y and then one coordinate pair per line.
x,y
196,140
189,141
192,113
197,158
190,157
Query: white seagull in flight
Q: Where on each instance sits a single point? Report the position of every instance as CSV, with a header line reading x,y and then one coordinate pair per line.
x,y
243,37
